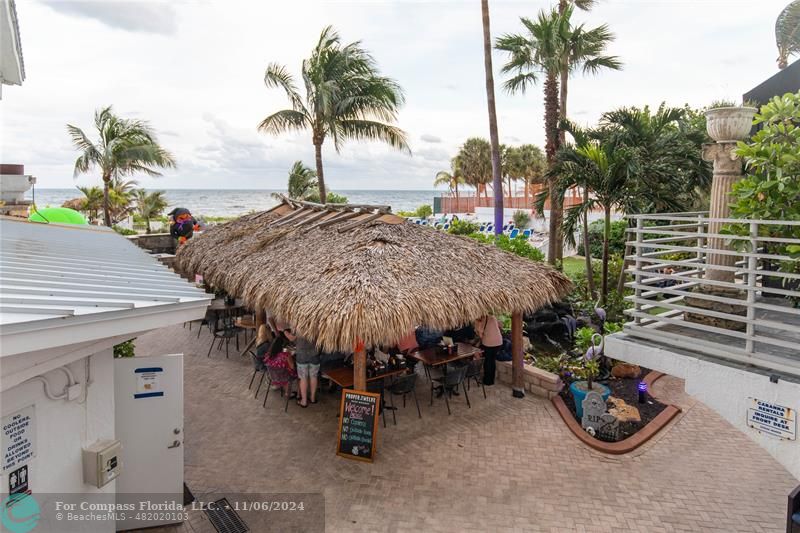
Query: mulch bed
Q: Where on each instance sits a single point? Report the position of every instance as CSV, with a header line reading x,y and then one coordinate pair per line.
x,y
625,389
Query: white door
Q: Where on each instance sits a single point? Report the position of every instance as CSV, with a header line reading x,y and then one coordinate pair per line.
x,y
149,424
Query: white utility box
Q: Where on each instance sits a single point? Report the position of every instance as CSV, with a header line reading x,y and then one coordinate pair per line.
x,y
102,462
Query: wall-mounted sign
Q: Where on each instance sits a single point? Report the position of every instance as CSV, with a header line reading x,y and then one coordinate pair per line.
x,y
18,480
148,382
19,437
772,419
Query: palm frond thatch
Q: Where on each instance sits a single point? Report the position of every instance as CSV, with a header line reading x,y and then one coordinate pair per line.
x,y
372,277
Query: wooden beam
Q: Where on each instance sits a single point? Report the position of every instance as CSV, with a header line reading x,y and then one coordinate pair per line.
x,y
517,361
360,368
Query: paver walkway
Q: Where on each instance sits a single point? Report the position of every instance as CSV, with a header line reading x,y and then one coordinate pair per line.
x,y
504,465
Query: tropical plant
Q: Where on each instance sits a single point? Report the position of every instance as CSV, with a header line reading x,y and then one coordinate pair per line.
x,y
331,198
125,349
474,160
771,188
525,163
519,247
463,227
521,219
552,47
787,33
302,181
616,244
92,201
423,211
124,147
450,179
346,98
150,205
494,139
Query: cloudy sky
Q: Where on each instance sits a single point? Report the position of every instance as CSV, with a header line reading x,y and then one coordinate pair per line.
x,y
194,69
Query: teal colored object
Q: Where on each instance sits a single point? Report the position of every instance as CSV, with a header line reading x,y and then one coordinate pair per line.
x,y
579,394
58,215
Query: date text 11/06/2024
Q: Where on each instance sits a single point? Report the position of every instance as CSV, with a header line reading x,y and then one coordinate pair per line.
x,y
267,506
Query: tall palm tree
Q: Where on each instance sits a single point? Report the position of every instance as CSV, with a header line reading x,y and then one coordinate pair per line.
x,y
474,160
494,139
525,163
92,201
346,98
124,147
150,205
787,33
452,179
302,181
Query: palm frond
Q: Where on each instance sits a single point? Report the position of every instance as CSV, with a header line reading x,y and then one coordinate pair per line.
x,y
374,131
283,121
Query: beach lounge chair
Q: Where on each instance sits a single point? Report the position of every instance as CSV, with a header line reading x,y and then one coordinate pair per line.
x,y
513,234
505,228
527,233
446,227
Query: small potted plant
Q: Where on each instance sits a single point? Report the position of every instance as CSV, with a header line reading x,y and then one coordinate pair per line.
x,y
591,344
728,122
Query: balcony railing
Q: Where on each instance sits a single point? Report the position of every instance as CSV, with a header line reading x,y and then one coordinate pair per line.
x,y
751,318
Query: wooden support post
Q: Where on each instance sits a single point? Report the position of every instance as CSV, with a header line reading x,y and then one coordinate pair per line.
x,y
260,318
360,367
517,361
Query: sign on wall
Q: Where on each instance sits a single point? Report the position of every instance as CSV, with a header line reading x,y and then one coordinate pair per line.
x,y
772,419
19,437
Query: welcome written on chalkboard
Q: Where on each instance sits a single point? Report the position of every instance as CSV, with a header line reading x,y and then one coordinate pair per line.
x,y
358,421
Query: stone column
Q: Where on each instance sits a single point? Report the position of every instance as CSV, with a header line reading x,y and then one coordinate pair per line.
x,y
727,171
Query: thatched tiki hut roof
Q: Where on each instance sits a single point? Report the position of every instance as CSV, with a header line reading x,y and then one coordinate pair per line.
x,y
338,273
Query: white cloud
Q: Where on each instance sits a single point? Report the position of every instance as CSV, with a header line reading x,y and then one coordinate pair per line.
x,y
138,16
425,137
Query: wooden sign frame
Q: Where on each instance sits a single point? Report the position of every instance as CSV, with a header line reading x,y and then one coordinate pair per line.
x,y
375,423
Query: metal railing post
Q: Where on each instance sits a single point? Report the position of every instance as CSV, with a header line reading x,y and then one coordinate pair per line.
x,y
700,244
752,265
638,265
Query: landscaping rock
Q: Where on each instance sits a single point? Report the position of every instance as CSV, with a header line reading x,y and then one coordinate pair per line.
x,y
623,411
626,370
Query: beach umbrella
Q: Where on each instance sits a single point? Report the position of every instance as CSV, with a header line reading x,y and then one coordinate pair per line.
x,y
58,215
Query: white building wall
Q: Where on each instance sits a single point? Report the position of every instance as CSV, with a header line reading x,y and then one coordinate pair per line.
x,y
64,428
726,389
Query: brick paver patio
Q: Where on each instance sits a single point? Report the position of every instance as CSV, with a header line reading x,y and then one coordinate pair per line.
x,y
504,465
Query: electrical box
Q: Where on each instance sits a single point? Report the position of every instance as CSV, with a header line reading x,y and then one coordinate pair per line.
x,y
102,462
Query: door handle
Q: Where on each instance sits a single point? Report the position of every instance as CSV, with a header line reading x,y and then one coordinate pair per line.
x,y
174,444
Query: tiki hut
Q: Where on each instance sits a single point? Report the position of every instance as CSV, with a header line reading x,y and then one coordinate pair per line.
x,y
344,273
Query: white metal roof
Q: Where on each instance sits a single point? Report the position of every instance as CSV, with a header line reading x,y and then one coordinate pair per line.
x,y
12,67
55,276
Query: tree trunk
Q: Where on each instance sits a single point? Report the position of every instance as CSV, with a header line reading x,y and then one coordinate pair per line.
x,y
323,193
493,136
550,148
606,238
562,103
586,252
147,225
626,253
106,201
517,357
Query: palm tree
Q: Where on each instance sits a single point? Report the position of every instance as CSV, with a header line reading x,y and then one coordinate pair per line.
x,y
302,181
787,33
497,178
124,147
150,205
92,202
345,98
525,163
474,159
452,179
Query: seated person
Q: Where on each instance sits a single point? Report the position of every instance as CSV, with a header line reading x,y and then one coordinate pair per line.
x,y
276,357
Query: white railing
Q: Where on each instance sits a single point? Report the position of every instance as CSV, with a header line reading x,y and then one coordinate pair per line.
x,y
749,318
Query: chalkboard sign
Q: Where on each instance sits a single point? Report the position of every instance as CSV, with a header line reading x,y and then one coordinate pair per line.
x,y
358,421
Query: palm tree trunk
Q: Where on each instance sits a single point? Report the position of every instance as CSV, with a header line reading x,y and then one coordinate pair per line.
x,y
493,135
458,203
625,253
606,238
106,201
587,254
147,225
323,193
550,148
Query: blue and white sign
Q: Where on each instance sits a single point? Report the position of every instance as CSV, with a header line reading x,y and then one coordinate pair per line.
x,y
148,382
772,419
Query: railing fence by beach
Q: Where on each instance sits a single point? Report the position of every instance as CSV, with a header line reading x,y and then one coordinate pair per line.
x,y
467,201
751,320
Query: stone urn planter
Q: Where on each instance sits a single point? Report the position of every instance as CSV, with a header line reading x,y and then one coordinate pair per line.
x,y
580,389
729,124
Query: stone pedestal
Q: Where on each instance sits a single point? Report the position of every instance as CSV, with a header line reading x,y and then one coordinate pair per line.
x,y
727,171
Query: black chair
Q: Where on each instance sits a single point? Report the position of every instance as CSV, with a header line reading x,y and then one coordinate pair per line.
x,y
224,330
209,319
280,375
258,366
450,382
475,371
403,385
793,512
377,387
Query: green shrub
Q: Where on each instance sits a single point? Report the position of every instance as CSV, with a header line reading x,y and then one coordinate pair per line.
x,y
423,211
519,247
616,245
125,349
124,231
521,219
463,227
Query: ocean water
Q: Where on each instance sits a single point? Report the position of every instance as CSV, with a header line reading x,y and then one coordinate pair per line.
x,y
234,202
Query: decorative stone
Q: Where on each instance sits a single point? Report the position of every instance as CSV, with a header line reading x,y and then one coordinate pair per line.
x,y
626,370
609,430
594,407
624,412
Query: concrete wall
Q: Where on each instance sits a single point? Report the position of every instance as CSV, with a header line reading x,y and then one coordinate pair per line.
x,y
158,243
726,388
534,380
63,428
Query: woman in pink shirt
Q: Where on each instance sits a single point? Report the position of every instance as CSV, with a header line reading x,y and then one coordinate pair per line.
x,y
488,330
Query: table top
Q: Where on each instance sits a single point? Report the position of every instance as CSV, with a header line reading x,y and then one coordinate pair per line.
x,y
432,357
219,305
343,376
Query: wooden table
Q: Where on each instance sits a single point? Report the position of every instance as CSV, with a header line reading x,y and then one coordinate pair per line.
x,y
220,305
432,357
343,376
